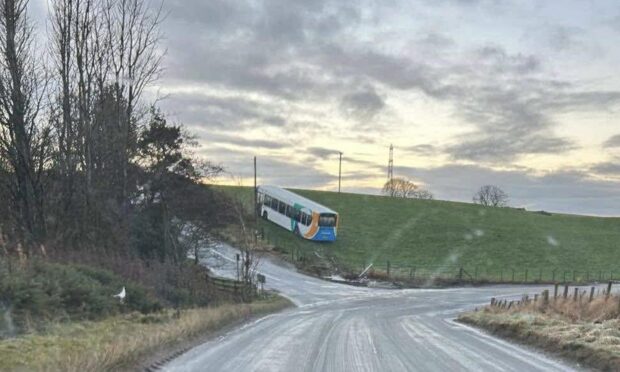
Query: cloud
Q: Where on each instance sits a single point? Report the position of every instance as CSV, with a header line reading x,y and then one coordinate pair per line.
x,y
497,59
612,142
275,171
501,147
422,149
271,170
321,152
362,105
503,95
198,111
253,143
557,37
607,168
614,23
435,40
312,52
253,46
289,68
563,38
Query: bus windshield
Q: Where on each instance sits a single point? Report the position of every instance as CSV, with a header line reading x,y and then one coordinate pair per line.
x,y
328,220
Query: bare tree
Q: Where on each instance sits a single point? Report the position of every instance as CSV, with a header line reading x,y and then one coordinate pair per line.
x,y
105,54
403,188
24,142
491,196
423,194
133,39
246,241
61,20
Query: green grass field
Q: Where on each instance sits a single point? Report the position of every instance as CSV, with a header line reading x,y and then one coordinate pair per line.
x,y
442,236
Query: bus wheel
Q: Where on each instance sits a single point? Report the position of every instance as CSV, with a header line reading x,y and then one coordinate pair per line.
x,y
265,214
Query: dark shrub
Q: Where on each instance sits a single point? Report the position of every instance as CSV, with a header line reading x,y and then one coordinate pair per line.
x,y
42,291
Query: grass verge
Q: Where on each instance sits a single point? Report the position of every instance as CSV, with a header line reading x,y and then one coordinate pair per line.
x,y
587,333
119,342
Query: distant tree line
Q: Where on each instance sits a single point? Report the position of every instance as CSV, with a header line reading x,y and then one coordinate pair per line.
x,y
487,195
403,188
85,163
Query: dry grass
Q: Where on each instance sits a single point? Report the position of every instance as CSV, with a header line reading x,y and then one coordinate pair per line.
x,y
587,332
118,342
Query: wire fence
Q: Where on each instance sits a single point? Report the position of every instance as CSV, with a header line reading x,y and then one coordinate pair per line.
x,y
492,274
578,297
234,290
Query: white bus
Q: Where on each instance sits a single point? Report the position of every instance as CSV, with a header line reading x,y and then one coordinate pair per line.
x,y
295,213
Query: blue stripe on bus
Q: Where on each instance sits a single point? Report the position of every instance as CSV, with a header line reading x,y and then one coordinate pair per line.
x,y
325,234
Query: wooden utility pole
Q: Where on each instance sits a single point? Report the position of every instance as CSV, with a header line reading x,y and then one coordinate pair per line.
x,y
390,174
255,204
255,187
339,170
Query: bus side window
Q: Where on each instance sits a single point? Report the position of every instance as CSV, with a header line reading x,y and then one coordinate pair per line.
x,y
274,204
297,215
267,201
282,208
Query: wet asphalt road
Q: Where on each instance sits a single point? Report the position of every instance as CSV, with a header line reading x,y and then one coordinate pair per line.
x,y
338,327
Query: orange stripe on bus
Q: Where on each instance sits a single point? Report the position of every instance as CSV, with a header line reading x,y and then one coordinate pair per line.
x,y
314,226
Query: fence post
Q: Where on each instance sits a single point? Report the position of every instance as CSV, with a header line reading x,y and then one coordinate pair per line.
x,y
565,291
555,291
545,297
576,295
608,293
591,294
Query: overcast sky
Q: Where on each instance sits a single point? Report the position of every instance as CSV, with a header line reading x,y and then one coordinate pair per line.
x,y
522,94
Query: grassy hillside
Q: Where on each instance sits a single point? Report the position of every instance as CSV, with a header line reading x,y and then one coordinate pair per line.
x,y
429,235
